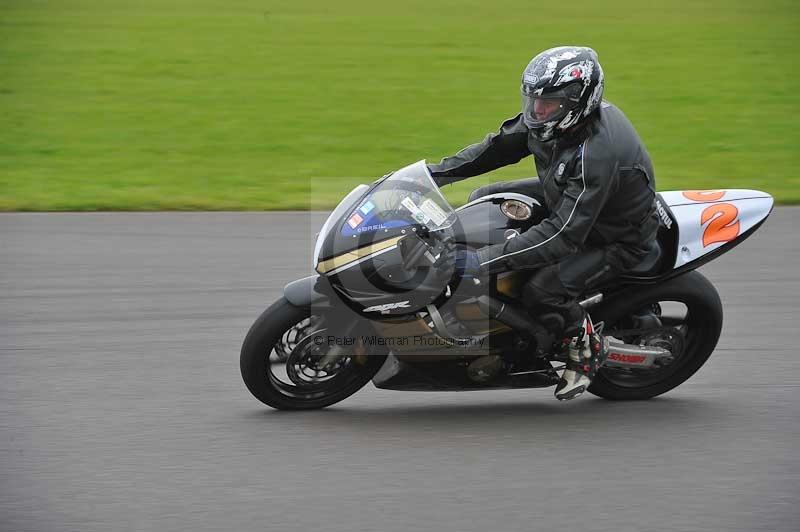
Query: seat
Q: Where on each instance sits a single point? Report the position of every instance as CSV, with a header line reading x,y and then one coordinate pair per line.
x,y
651,264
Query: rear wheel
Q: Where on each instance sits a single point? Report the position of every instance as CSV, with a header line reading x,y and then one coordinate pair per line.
x,y
284,364
683,316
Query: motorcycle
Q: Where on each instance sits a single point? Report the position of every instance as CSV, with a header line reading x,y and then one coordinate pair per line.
x,y
386,304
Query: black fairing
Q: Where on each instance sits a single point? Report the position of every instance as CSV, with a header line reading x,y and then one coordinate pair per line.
x,y
382,280
482,223
307,291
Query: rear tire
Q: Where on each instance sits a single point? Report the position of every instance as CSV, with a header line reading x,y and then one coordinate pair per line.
x,y
266,332
704,312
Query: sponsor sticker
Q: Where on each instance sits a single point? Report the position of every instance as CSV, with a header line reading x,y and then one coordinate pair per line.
x,y
433,211
531,79
374,227
630,359
416,213
662,212
355,220
368,206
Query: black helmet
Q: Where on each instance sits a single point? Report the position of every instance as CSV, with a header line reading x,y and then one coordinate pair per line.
x,y
560,87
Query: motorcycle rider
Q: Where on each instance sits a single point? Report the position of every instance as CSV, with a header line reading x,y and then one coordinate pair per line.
x,y
597,182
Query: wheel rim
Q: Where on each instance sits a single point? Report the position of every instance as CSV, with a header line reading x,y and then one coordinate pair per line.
x,y
677,331
294,363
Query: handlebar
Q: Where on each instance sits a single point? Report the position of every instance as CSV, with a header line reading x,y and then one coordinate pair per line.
x,y
417,251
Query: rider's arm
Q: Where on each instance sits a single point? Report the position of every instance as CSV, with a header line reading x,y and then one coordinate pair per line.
x,y
507,146
567,228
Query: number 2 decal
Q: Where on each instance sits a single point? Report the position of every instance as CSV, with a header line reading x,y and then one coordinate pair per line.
x,y
722,223
703,195
722,218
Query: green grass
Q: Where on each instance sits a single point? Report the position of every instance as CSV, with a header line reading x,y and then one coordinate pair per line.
x,y
246,104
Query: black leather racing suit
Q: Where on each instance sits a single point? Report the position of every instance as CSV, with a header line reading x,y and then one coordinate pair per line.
x,y
599,187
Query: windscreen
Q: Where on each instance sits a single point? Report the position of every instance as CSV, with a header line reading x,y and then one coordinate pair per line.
x,y
344,206
407,197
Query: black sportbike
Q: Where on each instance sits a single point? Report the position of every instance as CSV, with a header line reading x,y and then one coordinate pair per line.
x,y
386,305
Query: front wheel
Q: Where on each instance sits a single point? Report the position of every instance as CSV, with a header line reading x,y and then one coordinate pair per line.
x,y
283,361
683,316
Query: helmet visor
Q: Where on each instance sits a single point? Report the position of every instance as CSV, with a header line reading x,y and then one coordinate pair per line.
x,y
539,110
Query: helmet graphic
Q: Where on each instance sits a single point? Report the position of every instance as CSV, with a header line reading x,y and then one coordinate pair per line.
x,y
560,87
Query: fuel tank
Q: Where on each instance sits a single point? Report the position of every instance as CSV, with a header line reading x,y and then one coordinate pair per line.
x,y
495,218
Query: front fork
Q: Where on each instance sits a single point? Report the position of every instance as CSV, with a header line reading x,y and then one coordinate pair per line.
x,y
344,348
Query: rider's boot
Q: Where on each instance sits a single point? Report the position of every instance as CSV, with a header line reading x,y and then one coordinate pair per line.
x,y
587,352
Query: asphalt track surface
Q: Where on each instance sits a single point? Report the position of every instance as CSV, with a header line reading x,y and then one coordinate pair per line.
x,y
122,407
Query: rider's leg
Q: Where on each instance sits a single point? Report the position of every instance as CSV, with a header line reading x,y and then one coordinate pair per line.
x,y
530,187
556,288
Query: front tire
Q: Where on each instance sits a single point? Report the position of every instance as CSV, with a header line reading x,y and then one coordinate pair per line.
x,y
265,346
700,332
